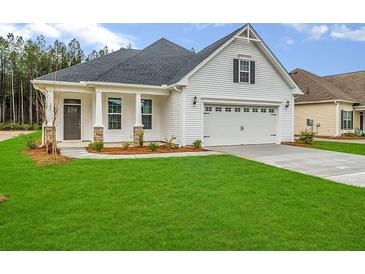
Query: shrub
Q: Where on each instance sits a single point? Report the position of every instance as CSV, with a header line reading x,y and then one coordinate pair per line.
x,y
197,143
26,127
140,139
170,142
306,136
359,132
126,145
30,142
153,146
36,127
97,145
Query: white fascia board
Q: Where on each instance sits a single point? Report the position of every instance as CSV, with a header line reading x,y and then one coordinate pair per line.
x,y
240,101
110,84
326,101
359,108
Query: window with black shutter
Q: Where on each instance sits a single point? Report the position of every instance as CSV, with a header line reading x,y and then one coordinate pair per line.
x,y
235,70
252,72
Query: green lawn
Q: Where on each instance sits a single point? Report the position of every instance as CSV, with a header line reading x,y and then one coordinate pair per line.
x,y
193,203
352,148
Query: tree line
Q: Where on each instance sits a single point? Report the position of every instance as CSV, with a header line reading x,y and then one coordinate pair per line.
x,y
23,60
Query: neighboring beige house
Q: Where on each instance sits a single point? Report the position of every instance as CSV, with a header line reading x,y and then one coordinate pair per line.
x,y
331,105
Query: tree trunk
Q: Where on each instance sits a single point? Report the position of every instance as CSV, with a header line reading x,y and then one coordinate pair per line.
x,y
36,109
12,95
30,102
21,101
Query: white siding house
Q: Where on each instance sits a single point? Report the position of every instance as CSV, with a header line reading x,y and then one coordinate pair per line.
x,y
233,92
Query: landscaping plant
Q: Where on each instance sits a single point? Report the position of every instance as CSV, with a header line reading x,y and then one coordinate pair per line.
x,y
30,142
153,146
126,145
170,142
97,145
306,136
197,143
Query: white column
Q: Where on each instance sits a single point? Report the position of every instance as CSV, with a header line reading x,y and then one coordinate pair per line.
x,y
338,119
98,109
49,107
138,111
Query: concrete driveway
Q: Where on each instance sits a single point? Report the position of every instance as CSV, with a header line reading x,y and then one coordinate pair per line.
x,y
7,134
340,167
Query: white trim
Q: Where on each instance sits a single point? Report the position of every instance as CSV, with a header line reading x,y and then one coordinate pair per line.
x,y
114,113
326,101
358,108
338,118
248,71
239,101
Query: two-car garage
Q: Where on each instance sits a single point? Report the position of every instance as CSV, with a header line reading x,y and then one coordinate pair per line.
x,y
239,124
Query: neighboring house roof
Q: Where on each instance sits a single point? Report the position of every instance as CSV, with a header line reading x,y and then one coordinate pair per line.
x,y
317,88
161,63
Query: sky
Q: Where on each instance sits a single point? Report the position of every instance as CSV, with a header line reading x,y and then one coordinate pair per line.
x,y
323,49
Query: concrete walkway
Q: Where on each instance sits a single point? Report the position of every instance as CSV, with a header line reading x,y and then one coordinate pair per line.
x,y
356,141
8,134
81,153
336,166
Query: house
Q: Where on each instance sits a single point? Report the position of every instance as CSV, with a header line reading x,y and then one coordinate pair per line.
x,y
331,105
235,91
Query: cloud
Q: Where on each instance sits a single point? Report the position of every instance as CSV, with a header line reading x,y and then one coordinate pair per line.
x,y
344,32
94,35
201,26
313,32
289,41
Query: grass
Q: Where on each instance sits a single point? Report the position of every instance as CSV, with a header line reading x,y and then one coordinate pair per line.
x,y
191,203
352,148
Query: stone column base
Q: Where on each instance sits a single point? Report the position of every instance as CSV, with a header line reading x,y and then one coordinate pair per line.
x,y
137,134
98,134
49,134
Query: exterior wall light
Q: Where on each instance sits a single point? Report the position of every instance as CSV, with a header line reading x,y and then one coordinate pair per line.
x,y
195,100
287,104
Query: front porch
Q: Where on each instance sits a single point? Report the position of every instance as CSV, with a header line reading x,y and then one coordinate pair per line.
x,y
113,116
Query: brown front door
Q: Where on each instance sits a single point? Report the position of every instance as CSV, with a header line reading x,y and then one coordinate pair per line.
x,y
72,122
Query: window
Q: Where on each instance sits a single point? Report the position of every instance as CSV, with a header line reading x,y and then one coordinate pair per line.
x,y
271,110
244,71
263,110
237,109
114,113
218,109
228,109
347,119
255,110
208,108
146,105
246,110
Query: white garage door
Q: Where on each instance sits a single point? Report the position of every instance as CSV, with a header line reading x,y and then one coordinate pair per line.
x,y
236,125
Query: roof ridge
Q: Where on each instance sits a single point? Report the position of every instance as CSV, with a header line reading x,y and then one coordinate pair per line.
x,y
344,73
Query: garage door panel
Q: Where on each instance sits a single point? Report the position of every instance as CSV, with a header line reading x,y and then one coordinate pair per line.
x,y
235,128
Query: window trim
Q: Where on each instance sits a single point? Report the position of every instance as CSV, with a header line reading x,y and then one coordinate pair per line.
x,y
115,113
147,114
348,120
248,71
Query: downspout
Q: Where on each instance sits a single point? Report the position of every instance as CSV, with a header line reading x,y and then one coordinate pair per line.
x,y
182,141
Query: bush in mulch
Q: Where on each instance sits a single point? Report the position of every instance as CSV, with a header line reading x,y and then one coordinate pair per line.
x,y
42,157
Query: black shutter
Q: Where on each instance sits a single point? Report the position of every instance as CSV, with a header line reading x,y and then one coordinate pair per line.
x,y
252,72
352,120
235,70
341,119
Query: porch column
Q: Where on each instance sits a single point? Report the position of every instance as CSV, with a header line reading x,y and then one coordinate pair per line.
x,y
338,119
98,126
138,127
50,129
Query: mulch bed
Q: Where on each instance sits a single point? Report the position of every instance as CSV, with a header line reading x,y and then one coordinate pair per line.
x,y
296,144
41,157
144,150
3,199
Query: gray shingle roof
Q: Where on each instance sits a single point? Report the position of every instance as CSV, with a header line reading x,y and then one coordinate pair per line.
x,y
90,71
316,88
162,62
